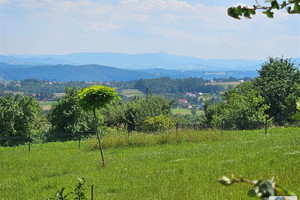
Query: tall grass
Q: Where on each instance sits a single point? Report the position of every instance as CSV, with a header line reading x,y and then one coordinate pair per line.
x,y
135,139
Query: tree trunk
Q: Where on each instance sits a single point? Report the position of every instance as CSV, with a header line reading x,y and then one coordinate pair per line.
x,y
98,136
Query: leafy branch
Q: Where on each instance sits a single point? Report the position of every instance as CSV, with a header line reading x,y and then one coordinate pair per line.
x,y
291,6
260,189
77,193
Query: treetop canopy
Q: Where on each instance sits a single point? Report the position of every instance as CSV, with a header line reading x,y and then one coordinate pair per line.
x,y
96,96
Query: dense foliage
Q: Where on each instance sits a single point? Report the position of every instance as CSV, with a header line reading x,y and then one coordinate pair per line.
x,y
279,83
18,119
67,118
97,96
245,109
132,114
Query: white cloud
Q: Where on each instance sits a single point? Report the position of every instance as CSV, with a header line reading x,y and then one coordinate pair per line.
x,y
172,21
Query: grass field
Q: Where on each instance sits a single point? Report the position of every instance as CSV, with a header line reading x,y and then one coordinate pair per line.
x,y
185,111
158,166
132,93
46,105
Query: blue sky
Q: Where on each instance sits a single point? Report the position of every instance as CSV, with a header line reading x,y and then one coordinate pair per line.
x,y
199,28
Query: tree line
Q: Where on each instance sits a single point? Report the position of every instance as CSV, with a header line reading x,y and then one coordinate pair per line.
x,y
166,85
44,90
272,96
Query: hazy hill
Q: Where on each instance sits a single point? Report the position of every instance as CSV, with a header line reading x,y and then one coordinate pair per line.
x,y
70,73
135,61
104,73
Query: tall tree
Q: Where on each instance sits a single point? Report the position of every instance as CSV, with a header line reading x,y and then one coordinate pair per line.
x,y
278,79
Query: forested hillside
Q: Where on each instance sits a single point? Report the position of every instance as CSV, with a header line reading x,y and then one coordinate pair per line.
x,y
162,85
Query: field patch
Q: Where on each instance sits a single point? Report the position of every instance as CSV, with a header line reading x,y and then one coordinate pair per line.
x,y
182,111
46,105
132,92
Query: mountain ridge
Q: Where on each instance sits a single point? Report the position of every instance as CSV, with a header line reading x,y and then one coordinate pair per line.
x,y
136,61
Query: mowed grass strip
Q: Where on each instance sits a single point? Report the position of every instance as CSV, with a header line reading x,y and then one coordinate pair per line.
x,y
183,111
132,92
184,169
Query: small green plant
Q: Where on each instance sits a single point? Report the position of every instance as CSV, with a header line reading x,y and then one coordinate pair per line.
x,y
262,189
77,193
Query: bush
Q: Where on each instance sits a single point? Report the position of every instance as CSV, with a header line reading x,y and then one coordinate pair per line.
x,y
157,123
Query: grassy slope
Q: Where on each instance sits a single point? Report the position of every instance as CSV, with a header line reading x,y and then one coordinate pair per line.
x,y
170,171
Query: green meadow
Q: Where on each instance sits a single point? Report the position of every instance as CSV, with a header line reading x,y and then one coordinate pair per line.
x,y
166,165
132,93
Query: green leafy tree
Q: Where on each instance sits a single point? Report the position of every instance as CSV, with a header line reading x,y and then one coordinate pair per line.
x,y
245,109
291,6
67,118
95,97
278,82
17,119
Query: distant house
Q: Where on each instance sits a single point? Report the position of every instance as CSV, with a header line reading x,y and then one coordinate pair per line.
x,y
182,101
190,94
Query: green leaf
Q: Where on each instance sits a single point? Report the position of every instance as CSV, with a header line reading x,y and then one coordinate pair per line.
x,y
269,13
232,12
284,191
275,5
253,192
296,7
283,4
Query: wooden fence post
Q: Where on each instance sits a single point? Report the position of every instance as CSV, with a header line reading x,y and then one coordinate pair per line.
x,y
92,192
222,127
266,126
79,139
29,143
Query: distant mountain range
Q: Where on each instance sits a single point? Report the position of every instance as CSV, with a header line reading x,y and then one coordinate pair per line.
x,y
135,61
103,73
122,67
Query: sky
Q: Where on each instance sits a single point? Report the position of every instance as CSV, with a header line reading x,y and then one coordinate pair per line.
x,y
199,28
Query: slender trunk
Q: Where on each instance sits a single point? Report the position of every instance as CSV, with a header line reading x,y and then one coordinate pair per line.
x,y
98,137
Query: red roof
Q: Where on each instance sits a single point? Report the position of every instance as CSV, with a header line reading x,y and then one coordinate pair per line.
x,y
182,100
